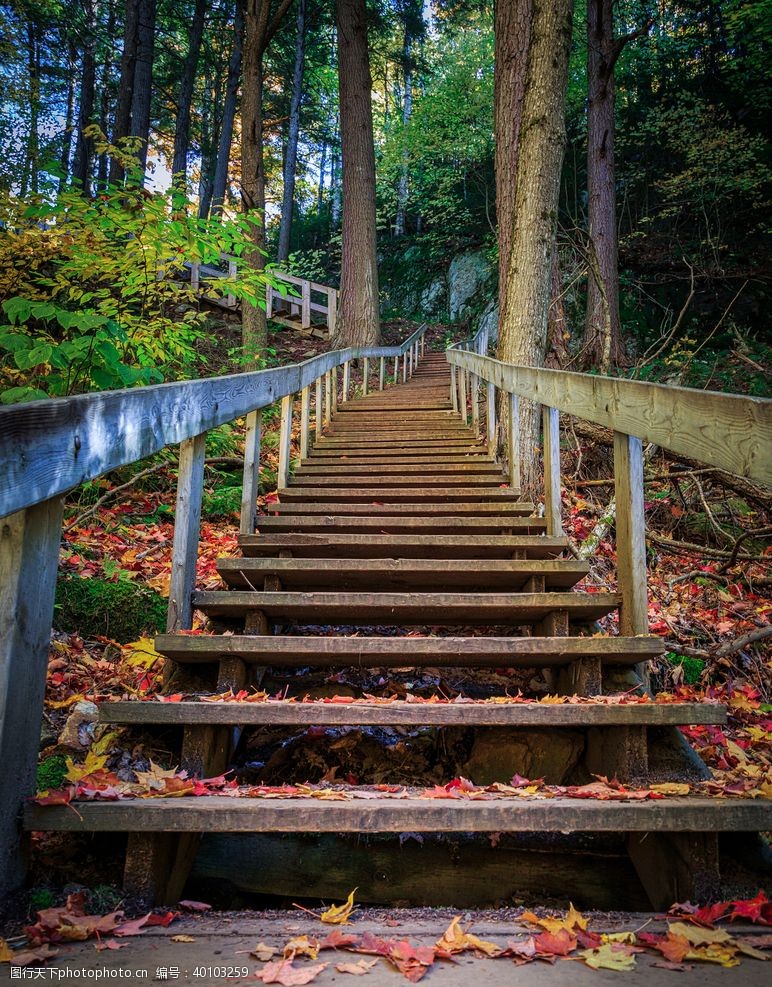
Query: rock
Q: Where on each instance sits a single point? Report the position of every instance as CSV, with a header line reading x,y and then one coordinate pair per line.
x,y
489,321
433,300
498,753
469,274
78,731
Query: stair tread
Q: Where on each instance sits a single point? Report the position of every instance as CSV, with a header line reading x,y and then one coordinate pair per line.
x,y
395,524
308,574
397,652
414,608
427,546
412,713
380,494
218,813
373,512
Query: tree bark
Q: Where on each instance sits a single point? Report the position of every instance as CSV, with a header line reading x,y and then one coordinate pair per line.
x,y
143,79
557,324
602,343
358,316
84,146
293,132
412,14
64,160
260,26
182,123
532,224
229,110
122,124
103,162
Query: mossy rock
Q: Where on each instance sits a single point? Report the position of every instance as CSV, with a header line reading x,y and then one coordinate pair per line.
x,y
120,610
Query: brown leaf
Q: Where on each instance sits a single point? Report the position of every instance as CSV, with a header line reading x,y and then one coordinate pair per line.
x,y
356,969
283,972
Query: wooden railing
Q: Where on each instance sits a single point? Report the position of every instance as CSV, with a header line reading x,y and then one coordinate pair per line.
x,y
729,431
50,447
314,305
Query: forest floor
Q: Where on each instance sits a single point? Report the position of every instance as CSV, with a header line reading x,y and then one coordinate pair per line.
x,y
709,600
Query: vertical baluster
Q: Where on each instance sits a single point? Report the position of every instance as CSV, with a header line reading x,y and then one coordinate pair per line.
x,y
268,301
490,417
334,389
332,309
631,534
551,434
251,482
187,527
396,369
474,392
382,373
232,273
318,414
462,383
305,316
513,436
195,277
327,397
453,386
346,379
404,368
285,440
305,418
366,377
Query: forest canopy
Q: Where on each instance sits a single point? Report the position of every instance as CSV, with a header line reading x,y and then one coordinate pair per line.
x,y
104,101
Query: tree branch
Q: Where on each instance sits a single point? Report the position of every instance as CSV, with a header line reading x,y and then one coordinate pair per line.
x,y
619,44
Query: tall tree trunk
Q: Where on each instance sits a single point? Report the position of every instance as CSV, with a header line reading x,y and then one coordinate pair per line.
x,y
358,317
122,123
260,26
557,354
182,123
335,182
103,162
143,79
541,140
229,110
64,160
32,164
320,188
293,132
602,343
407,111
84,146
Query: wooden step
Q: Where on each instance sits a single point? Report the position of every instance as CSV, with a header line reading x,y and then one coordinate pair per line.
x,y
477,458
398,574
406,608
392,451
218,813
412,652
403,546
446,482
401,713
338,468
506,509
412,494
403,525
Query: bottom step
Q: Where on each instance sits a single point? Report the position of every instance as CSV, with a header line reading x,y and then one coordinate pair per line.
x,y
374,813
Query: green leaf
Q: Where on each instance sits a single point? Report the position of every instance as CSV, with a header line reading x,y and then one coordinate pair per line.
x,y
14,395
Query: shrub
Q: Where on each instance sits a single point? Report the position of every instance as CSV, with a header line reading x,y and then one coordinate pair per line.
x,y
120,610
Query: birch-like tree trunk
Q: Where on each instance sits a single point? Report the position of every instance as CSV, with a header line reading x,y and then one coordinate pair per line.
x,y
358,316
229,111
122,123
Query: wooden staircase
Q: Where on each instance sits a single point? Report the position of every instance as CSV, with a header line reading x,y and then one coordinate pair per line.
x,y
399,517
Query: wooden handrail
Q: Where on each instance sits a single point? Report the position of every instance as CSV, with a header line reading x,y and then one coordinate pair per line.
x,y
730,431
49,447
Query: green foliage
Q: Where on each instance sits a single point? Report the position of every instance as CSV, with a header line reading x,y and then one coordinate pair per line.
x,y
224,499
93,288
50,775
692,667
121,610
40,898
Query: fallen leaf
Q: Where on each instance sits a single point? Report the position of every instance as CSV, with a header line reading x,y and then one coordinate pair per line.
x,y
182,938
456,941
301,946
28,957
283,972
559,943
339,914
356,969
6,953
697,936
262,952
109,944
195,906
609,956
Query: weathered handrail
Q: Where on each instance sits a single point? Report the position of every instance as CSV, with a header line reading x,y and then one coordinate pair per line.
x,y
730,431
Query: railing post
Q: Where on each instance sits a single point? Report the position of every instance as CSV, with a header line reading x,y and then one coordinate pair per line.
x,y
462,383
404,368
410,367
366,379
187,527
346,379
29,555
251,482
305,417
475,395
232,272
631,535
396,369
195,276
552,505
513,436
453,386
268,301
327,397
334,389
382,373
490,417
423,345
332,309
285,440
318,414
305,311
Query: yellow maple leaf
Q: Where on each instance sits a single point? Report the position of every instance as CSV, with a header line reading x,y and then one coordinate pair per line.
x,y
339,914
103,745
94,762
671,788
715,952
156,777
141,654
302,946
69,701
573,920
606,957
6,953
454,940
